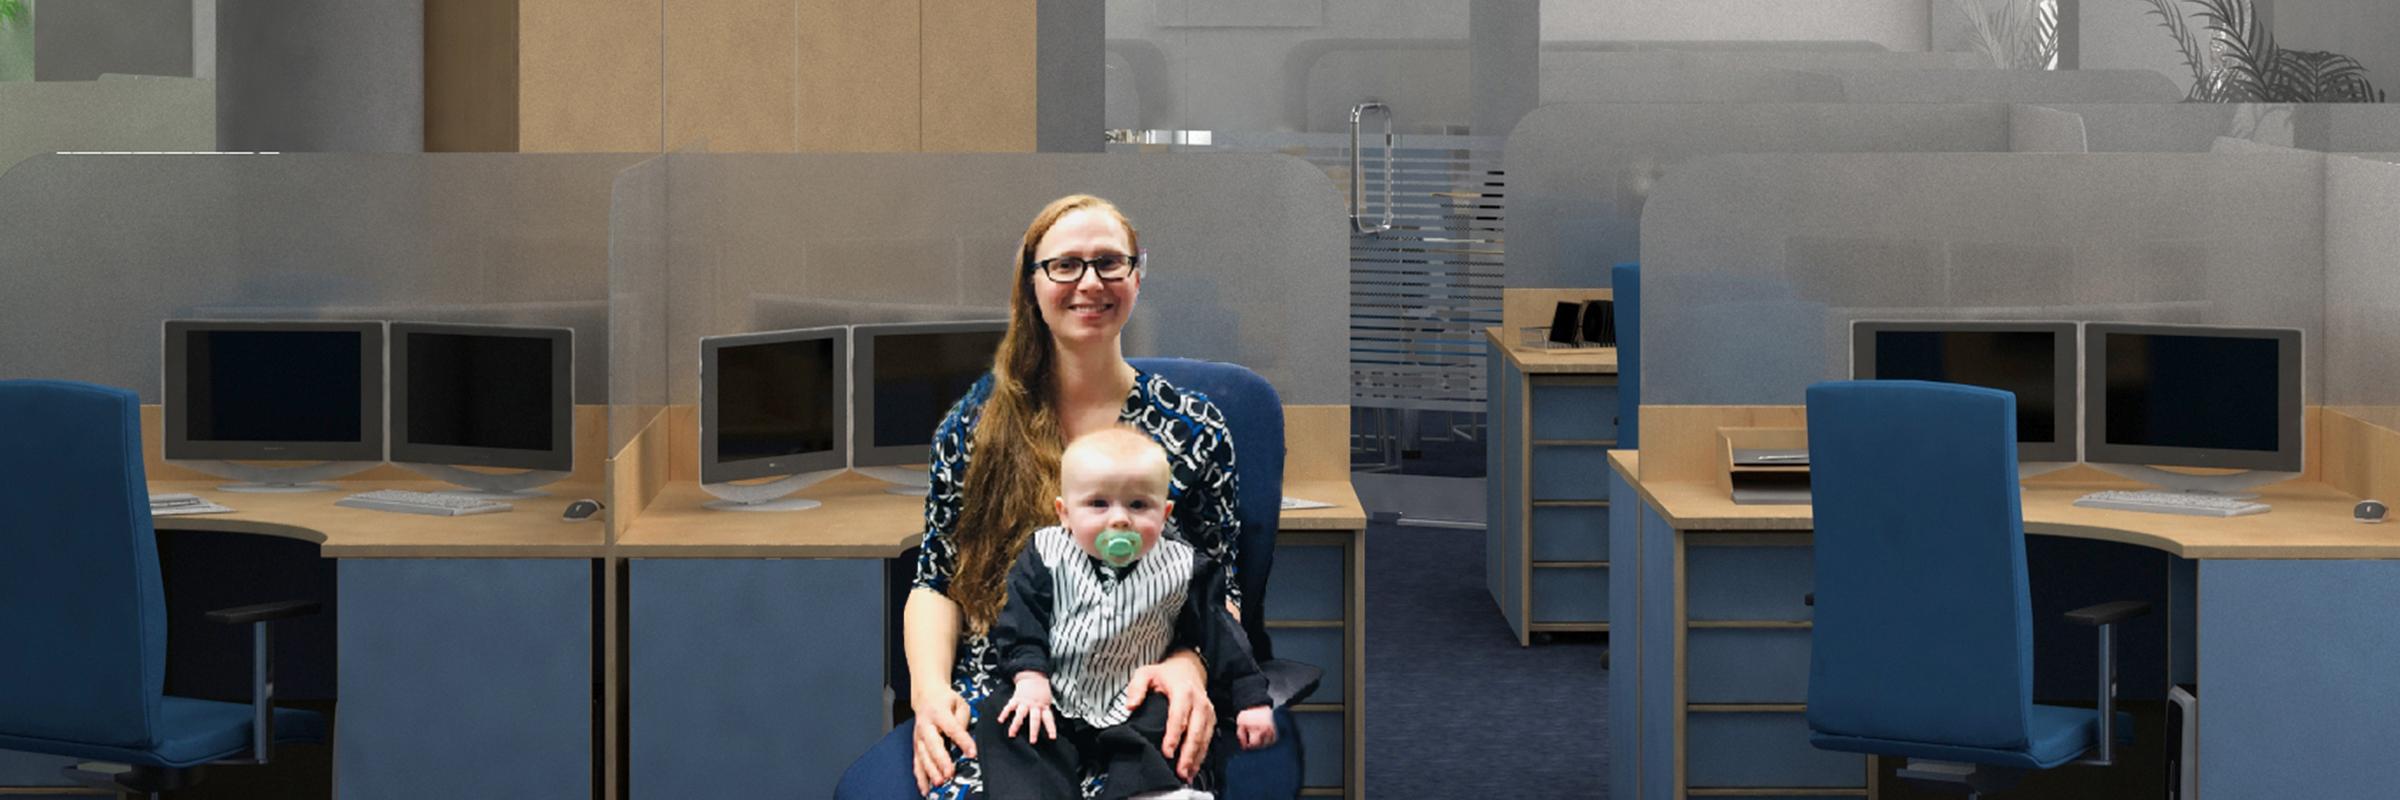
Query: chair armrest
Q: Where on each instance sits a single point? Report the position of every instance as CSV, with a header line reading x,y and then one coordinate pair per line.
x,y
2108,613
265,612
1290,682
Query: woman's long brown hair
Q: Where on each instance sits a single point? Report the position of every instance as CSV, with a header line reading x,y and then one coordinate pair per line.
x,y
1014,473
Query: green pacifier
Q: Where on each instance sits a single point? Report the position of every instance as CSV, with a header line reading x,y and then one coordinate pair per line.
x,y
1118,546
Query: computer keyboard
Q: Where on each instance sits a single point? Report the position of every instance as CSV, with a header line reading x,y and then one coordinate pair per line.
x,y
2202,505
177,504
407,502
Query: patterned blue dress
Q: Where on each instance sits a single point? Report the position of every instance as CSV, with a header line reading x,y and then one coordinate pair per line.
x,y
1199,448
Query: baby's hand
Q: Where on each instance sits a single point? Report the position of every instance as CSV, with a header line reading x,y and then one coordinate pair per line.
x,y
1030,706
1255,727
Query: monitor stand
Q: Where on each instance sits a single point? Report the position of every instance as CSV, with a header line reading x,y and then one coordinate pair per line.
x,y
912,481
501,486
2028,469
767,496
266,480
2226,485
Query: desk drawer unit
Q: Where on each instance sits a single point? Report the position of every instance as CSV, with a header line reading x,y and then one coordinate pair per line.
x,y
1742,656
1314,615
1546,535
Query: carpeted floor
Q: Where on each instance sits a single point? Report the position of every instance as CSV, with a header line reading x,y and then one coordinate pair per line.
x,y
1454,707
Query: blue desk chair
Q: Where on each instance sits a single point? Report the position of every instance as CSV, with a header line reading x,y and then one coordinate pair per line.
x,y
1625,289
1254,413
1923,641
80,595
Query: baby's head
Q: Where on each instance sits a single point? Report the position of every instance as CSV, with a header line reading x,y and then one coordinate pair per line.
x,y
1113,494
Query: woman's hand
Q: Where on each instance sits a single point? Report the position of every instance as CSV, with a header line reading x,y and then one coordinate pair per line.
x,y
941,714
1191,718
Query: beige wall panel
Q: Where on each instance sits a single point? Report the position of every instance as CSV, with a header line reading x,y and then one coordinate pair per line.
x,y
979,75
858,82
470,76
731,75
588,76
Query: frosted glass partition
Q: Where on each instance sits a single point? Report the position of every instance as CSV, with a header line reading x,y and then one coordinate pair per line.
x,y
2007,86
1754,266
2194,127
2035,129
1685,78
637,300
100,249
1579,172
114,113
1248,253
2362,287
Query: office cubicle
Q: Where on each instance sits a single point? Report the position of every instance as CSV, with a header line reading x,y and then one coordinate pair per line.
x,y
112,113
1756,264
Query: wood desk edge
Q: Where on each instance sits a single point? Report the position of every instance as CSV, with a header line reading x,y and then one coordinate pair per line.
x,y
1589,361
1701,506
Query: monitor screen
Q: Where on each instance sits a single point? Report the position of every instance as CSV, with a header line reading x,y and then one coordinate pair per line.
x,y
272,386
919,375
2194,396
239,390
2033,360
773,404
482,395
2174,391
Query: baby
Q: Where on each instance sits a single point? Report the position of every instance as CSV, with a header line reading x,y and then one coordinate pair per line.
x,y
1092,599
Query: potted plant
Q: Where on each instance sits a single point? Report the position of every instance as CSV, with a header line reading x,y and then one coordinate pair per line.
x,y
2240,62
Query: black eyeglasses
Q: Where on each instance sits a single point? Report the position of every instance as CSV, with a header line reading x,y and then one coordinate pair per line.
x,y
1112,267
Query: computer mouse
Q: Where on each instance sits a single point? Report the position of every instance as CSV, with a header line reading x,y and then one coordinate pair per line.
x,y
2369,511
581,509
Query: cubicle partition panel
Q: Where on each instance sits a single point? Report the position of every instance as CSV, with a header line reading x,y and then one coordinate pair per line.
x,y
2007,86
2362,297
101,248
1580,173
114,113
2040,129
2194,127
1754,266
1248,262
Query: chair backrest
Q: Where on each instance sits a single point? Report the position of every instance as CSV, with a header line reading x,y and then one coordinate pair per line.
x,y
81,608
1625,290
1254,413
1923,629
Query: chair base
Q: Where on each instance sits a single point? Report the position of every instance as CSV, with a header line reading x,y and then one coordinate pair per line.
x,y
132,778
1975,778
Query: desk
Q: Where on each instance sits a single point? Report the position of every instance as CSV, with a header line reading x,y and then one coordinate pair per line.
x,y
756,639
465,644
2295,636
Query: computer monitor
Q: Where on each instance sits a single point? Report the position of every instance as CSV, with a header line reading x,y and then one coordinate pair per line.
x,y
2193,396
772,404
909,374
2034,360
484,396
283,391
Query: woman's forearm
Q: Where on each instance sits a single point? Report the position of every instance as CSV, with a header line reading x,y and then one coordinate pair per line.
x,y
929,637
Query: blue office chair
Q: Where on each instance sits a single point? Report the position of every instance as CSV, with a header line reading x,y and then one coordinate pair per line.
x,y
1625,289
1254,413
1923,640
80,595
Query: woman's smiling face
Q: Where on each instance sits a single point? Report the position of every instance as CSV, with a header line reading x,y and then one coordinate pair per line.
x,y
1089,310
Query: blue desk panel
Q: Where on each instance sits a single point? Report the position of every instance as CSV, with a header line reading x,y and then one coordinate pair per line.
x,y
465,678
2297,678
751,677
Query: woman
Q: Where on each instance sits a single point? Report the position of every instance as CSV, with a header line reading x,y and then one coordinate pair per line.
x,y
1060,373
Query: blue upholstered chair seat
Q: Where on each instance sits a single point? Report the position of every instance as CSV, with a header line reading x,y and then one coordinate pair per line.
x,y
191,733
2060,734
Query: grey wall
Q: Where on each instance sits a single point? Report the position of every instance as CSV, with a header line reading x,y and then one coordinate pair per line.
x,y
306,76
1071,80
1580,174
78,40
